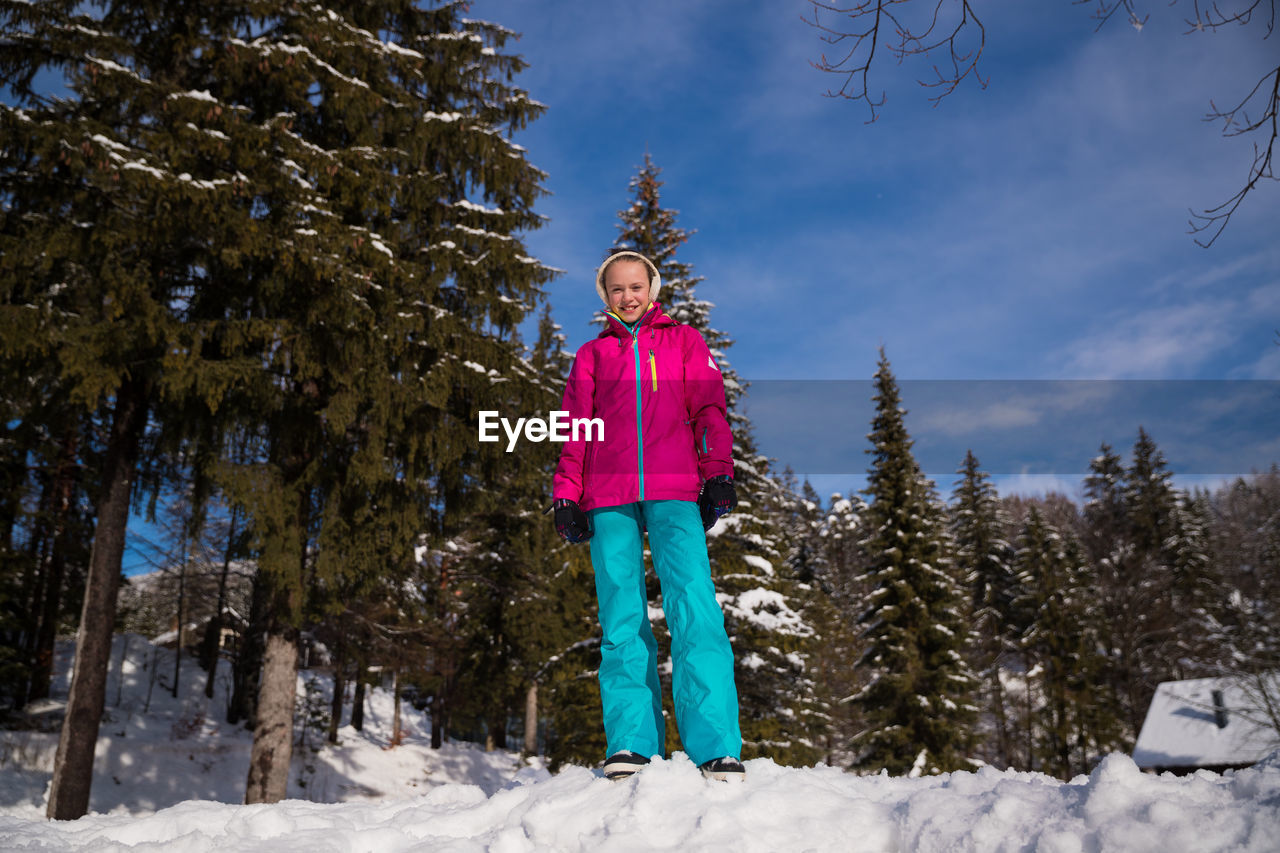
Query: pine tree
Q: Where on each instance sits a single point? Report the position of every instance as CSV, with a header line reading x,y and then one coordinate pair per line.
x,y
1104,508
981,550
1150,503
1048,567
984,560
91,265
918,705
1244,543
805,559
512,584
831,607
1118,566
1149,498
49,481
562,651
1147,552
15,436
650,229
296,226
1196,582
1100,722
774,644
561,666
1075,598
1170,527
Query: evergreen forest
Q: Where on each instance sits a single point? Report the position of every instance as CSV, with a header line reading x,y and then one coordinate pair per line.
x,y
261,264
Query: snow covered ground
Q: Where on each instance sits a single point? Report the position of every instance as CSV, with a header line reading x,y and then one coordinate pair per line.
x,y
162,773
155,750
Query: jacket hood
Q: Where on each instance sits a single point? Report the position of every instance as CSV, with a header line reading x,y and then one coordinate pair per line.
x,y
655,280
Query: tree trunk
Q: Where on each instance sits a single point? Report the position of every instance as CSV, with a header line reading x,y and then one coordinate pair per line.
x,y
47,637
272,751
437,724
73,764
56,503
1003,749
496,726
39,548
210,648
339,691
182,602
248,662
531,719
357,704
395,702
1030,720
440,708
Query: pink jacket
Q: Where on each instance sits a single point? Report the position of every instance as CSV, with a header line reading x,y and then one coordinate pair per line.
x,y
661,398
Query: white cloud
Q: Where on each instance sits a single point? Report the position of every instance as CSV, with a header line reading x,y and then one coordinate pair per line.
x,y
1206,482
1155,343
1028,404
1265,300
1038,485
1267,366
1172,340
1218,275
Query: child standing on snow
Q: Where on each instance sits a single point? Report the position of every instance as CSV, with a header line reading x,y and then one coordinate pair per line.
x,y
664,465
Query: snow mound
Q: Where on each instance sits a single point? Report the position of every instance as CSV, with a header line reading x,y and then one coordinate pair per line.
x,y
669,806
168,771
1271,762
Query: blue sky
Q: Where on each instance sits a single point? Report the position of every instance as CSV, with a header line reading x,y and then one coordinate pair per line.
x,y
1032,230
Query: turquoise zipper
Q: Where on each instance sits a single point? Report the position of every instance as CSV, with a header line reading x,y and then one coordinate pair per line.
x,y
635,347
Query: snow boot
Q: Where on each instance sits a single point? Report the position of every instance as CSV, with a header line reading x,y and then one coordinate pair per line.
x,y
726,769
622,764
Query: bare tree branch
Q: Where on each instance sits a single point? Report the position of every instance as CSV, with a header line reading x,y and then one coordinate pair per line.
x,y
1236,121
1214,17
1106,9
962,64
860,25
861,35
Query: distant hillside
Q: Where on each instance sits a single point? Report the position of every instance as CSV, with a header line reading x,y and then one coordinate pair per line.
x,y
149,603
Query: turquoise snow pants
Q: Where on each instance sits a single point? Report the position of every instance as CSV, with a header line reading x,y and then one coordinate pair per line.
x,y
706,700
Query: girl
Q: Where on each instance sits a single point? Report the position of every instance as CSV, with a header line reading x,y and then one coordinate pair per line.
x,y
664,465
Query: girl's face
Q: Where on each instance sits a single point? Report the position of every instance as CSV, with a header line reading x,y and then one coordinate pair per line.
x,y
626,284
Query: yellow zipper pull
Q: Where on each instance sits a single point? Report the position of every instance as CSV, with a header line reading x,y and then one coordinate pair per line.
x,y
653,370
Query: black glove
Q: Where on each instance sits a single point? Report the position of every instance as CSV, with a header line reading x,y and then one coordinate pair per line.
x,y
572,523
717,498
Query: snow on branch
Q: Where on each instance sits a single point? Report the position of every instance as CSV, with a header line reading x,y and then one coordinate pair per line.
x,y
477,208
268,47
